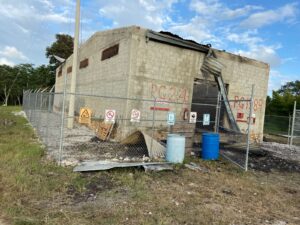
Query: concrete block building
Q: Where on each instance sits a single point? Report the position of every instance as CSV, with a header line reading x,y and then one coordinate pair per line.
x,y
134,62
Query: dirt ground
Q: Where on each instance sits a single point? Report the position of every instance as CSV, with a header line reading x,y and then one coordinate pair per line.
x,y
222,195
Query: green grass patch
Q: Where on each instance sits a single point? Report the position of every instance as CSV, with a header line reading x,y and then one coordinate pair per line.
x,y
26,179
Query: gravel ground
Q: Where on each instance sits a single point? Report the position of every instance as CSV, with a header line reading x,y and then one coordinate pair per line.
x,y
283,151
80,143
265,157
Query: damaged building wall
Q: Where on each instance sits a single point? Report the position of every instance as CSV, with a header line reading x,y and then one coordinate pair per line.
x,y
162,72
105,77
147,69
240,73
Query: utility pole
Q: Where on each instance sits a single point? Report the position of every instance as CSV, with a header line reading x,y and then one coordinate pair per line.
x,y
74,68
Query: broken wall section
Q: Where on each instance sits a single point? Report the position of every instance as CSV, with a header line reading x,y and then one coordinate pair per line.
x,y
240,73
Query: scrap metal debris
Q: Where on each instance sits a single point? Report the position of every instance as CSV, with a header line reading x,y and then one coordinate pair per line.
x,y
106,165
155,149
195,167
158,167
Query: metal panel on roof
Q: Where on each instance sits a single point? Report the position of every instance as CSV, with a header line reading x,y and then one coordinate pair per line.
x,y
152,35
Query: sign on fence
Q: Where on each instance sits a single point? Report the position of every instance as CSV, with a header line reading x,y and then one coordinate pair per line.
x,y
135,115
85,115
193,117
110,115
206,119
171,118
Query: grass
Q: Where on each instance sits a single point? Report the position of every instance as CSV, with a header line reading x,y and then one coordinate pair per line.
x,y
35,191
24,178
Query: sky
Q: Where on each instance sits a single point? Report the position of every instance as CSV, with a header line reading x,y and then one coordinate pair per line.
x,y
267,30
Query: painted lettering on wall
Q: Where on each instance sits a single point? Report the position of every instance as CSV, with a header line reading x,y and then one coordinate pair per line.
x,y
169,93
257,104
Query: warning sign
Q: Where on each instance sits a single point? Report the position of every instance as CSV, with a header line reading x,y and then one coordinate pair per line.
x,y
110,116
171,118
193,117
135,115
85,115
206,119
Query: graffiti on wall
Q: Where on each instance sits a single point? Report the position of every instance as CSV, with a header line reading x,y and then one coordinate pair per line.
x,y
169,93
257,104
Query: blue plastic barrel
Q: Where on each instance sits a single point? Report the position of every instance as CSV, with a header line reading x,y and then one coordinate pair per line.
x,y
175,148
210,146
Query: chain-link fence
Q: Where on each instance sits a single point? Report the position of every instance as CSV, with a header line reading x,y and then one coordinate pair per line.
x,y
277,128
277,125
283,129
129,129
236,144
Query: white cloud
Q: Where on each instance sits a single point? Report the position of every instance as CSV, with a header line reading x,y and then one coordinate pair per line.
x,y
37,11
12,53
263,53
285,13
255,47
248,38
47,4
216,10
147,13
277,79
196,29
4,61
56,17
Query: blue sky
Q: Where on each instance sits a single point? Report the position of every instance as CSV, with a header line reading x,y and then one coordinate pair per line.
x,y
265,30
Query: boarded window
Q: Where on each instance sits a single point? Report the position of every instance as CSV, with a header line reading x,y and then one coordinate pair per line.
x,y
59,72
110,52
69,70
84,63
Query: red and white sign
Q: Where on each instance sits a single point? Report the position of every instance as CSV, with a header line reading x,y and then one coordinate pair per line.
x,y
135,115
110,115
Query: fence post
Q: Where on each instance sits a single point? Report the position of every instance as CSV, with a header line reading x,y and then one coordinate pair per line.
x,y
29,106
217,118
40,122
48,112
249,129
153,119
293,123
34,115
62,122
25,101
289,130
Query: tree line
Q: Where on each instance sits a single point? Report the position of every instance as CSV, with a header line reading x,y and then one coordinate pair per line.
x,y
282,101
15,79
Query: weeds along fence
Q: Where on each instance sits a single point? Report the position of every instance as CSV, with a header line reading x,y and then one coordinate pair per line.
x,y
130,129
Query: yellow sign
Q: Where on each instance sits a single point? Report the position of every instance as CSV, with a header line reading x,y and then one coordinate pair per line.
x,y
85,115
